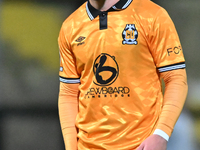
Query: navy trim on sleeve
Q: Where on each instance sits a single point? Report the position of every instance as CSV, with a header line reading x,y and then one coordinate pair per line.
x,y
172,67
69,80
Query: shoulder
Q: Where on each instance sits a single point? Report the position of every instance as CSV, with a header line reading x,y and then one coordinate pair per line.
x,y
70,24
150,13
75,18
147,8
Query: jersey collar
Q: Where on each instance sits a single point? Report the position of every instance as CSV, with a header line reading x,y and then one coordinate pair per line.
x,y
93,12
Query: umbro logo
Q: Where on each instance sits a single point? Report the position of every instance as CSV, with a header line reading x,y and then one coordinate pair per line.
x,y
80,40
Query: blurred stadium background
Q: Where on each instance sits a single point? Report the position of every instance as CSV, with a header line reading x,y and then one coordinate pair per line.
x,y
29,65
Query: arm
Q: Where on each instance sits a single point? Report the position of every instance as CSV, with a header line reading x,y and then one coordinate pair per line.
x,y
69,82
174,98
176,89
68,109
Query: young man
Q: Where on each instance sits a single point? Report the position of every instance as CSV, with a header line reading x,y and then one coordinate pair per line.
x,y
113,54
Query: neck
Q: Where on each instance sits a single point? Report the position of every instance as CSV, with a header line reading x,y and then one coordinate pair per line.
x,y
103,5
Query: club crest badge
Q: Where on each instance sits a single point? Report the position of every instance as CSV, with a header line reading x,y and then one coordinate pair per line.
x,y
130,35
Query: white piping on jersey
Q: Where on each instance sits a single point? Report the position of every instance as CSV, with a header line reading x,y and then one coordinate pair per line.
x,y
127,4
69,81
89,13
169,68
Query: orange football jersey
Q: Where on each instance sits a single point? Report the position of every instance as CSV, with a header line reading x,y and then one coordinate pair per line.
x,y
117,57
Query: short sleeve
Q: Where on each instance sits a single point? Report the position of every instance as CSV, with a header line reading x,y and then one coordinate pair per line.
x,y
68,72
165,45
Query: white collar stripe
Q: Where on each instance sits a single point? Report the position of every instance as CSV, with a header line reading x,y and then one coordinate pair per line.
x,y
127,4
89,13
114,7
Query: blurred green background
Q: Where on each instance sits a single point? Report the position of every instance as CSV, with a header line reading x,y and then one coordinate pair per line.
x,y
29,63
